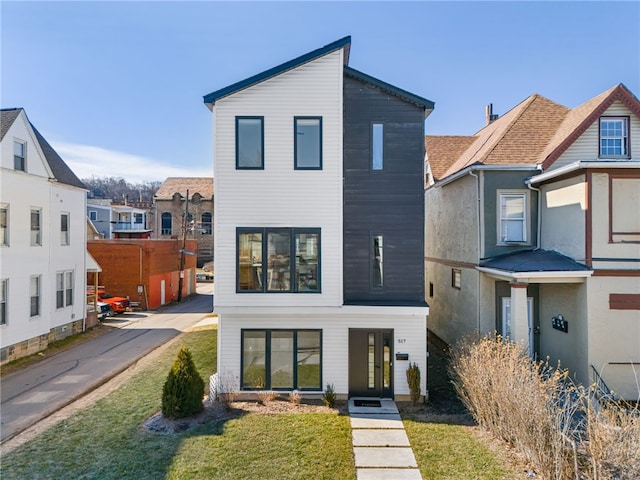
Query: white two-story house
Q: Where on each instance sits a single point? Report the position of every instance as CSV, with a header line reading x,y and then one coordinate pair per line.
x,y
318,224
42,241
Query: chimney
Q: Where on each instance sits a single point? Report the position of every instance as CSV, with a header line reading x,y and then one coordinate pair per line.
x,y
126,199
490,116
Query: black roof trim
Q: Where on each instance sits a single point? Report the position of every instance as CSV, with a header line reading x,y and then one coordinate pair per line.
x,y
387,87
345,42
534,261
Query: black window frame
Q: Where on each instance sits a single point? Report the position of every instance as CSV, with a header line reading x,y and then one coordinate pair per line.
x,y
163,230
237,143
206,224
295,142
373,266
20,162
267,366
293,231
372,165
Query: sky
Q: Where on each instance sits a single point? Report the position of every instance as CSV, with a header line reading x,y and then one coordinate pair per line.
x,y
116,87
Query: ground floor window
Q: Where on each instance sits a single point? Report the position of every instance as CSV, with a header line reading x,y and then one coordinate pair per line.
x,y
282,359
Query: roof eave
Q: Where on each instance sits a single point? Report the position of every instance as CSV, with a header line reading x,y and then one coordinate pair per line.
x,y
556,276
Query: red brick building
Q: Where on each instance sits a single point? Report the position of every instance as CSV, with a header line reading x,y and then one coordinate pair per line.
x,y
146,271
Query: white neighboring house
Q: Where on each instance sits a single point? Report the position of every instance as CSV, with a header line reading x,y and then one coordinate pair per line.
x,y
318,221
43,233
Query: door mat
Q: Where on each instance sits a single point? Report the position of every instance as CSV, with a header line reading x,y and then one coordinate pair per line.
x,y
367,403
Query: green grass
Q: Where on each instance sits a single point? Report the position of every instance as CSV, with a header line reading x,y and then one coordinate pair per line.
x,y
450,452
107,441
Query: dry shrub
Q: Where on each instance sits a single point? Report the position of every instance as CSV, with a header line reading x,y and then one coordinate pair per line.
x,y
614,441
294,397
530,405
266,396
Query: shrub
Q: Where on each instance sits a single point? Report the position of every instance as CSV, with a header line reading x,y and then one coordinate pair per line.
x,y
413,379
295,397
329,396
184,388
266,396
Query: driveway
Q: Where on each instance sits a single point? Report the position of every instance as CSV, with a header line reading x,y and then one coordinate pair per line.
x,y
39,390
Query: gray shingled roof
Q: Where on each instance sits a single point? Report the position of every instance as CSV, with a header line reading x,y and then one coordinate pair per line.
x,y
7,117
534,261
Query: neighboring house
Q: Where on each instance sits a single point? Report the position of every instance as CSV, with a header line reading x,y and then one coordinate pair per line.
x,y
533,231
115,220
145,271
170,204
43,233
319,173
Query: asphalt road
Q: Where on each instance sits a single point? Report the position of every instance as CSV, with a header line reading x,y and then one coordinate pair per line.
x,y
31,394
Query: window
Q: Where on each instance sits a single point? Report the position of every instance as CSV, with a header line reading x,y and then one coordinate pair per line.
x,y
64,289
377,270
431,289
64,229
4,284
206,223
278,260
4,225
19,155
166,223
93,215
138,218
282,359
512,215
250,143
614,137
36,236
34,295
456,278
308,143
377,146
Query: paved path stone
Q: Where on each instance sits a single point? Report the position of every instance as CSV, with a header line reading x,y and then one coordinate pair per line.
x,y
388,474
380,438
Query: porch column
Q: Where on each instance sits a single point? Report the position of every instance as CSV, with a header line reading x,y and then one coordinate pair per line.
x,y
519,314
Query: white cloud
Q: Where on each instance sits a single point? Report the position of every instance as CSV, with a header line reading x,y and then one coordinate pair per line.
x,y
87,161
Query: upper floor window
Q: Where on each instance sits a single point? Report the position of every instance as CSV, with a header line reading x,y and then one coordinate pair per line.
x,y
250,143
36,227
93,215
377,146
64,229
34,295
206,223
166,223
138,218
308,143
4,225
19,155
278,260
456,278
4,286
614,137
512,215
377,268
64,289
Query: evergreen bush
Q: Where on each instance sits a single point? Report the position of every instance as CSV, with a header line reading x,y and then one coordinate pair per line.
x,y
184,388
329,396
413,379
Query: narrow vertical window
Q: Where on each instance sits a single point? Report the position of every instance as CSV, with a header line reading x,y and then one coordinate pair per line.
x,y
36,237
308,143
307,258
377,146
377,267
279,261
513,224
250,274
206,223
4,283
68,288
19,156
59,290
254,359
371,361
166,223
34,295
614,137
4,225
308,360
64,229
456,278
281,359
93,215
250,142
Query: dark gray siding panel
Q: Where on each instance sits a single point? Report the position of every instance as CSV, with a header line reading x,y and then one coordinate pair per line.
x,y
388,202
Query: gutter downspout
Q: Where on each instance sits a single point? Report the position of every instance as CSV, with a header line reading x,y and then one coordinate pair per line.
x,y
538,213
478,238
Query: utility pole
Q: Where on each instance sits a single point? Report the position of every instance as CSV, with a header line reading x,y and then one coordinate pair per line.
x,y
185,221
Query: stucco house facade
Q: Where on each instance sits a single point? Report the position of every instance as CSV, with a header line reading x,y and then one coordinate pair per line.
x,y
539,212
319,210
43,232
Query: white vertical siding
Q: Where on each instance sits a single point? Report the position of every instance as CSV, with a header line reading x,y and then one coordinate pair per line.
x,y
586,148
280,196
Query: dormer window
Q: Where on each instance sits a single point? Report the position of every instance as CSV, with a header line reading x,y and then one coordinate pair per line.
x,y
614,137
19,156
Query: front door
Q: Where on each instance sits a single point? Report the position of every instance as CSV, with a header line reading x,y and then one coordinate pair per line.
x,y
506,322
370,363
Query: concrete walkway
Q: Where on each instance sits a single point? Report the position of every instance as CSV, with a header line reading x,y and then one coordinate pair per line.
x,y
380,444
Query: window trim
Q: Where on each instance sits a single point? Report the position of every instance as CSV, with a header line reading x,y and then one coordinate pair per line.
x,y
372,253
67,289
293,231
24,155
4,301
373,147
162,229
526,228
38,296
4,241
38,241
237,143
206,227
456,273
65,240
267,354
295,142
94,214
626,137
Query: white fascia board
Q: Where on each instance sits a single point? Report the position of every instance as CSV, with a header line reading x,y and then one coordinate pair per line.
x,y
471,168
579,165
369,310
568,276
